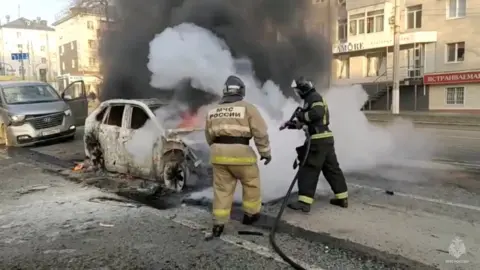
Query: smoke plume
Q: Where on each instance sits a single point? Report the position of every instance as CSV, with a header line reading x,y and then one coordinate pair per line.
x,y
184,50
249,27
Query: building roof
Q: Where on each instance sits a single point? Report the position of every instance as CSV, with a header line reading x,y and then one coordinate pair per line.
x,y
76,11
22,23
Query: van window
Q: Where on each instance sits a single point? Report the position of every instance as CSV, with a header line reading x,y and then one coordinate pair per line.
x,y
28,94
115,116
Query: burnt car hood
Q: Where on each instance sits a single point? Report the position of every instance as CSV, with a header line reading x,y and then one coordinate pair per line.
x,y
38,108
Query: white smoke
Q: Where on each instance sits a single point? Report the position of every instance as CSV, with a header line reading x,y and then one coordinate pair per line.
x,y
188,51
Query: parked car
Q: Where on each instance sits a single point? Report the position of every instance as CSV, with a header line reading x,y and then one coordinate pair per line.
x,y
32,112
113,125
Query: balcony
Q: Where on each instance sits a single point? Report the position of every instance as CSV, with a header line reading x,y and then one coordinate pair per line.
x,y
405,73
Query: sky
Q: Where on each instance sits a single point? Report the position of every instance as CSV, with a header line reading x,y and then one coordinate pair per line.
x,y
31,9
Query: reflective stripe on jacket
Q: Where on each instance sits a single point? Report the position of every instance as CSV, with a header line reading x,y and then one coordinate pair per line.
x,y
317,116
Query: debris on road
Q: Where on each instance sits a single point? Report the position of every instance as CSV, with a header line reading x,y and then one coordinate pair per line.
x,y
32,189
78,167
106,225
389,192
250,233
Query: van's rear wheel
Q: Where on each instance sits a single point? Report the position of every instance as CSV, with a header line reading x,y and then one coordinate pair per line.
x,y
3,135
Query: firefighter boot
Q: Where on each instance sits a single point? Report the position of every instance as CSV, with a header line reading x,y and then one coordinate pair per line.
x,y
339,202
299,206
217,231
249,220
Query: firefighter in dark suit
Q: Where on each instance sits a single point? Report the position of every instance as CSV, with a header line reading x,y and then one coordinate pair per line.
x,y
315,118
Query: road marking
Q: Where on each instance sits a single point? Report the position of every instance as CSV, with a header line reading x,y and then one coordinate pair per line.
x,y
241,243
459,137
455,162
427,199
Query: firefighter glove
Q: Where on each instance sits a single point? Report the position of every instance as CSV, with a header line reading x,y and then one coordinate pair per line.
x,y
295,125
300,115
267,159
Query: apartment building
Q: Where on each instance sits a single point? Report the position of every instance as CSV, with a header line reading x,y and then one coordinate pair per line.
x,y
33,38
78,35
439,61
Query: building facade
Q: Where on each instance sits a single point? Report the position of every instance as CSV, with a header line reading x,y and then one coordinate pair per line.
x,y
33,38
439,62
78,35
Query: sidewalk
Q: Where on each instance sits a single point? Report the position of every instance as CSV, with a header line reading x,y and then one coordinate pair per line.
x,y
427,118
427,231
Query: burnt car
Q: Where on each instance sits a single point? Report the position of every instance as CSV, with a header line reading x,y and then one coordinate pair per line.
x,y
112,127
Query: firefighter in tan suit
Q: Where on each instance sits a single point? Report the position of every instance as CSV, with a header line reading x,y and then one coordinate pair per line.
x,y
228,130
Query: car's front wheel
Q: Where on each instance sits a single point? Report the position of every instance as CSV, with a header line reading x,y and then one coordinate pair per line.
x,y
176,176
70,138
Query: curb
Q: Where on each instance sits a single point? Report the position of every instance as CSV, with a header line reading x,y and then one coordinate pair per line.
x,y
419,122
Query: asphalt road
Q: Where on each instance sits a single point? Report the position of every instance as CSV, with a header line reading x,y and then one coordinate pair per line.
x,y
57,228
48,222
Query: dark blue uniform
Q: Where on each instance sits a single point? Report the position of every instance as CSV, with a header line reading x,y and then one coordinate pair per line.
x,y
321,157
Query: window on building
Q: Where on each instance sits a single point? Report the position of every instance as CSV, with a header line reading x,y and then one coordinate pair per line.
x,y
73,63
357,24
375,21
63,65
343,67
61,50
457,8
42,48
414,17
92,61
72,46
375,64
90,25
342,29
414,59
455,95
44,60
19,34
92,44
456,52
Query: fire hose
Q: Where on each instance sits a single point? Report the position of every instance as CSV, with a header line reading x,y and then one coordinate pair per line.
x,y
286,198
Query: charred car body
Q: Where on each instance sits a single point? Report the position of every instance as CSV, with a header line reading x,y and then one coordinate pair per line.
x,y
115,123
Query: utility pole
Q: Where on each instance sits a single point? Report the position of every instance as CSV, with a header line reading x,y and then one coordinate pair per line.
x,y
22,66
396,61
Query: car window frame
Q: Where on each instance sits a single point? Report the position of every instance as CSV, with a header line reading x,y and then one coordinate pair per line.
x,y
129,117
107,114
